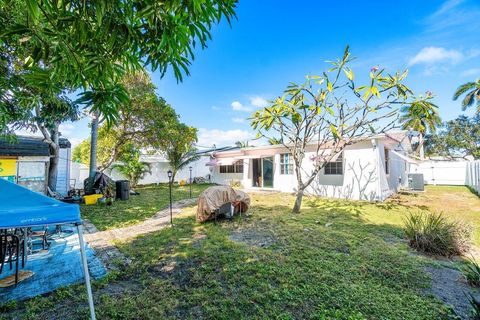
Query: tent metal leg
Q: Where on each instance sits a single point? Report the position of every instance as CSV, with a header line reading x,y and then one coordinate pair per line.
x,y
25,247
85,272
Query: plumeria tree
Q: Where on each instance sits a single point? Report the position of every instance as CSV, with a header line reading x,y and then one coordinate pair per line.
x,y
330,111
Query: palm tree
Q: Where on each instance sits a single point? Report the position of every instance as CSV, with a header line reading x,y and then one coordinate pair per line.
x,y
421,116
131,167
242,144
179,156
472,90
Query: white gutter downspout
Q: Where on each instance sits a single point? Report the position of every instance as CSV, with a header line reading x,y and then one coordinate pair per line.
x,y
377,166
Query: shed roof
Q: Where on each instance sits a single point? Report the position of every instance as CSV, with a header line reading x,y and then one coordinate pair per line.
x,y
28,146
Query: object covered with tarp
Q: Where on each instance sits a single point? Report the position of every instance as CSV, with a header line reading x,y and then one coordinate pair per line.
x,y
214,198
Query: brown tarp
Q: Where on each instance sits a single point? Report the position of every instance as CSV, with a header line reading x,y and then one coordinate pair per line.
x,y
214,197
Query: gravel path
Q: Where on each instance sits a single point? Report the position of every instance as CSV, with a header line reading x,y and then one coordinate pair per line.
x,y
102,241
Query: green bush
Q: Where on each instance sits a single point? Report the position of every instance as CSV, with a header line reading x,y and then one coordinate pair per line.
x,y
475,307
434,234
472,272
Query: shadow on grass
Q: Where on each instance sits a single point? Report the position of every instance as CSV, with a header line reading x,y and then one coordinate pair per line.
x,y
327,262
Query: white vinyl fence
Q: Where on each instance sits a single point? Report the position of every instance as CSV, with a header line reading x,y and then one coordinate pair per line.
x,y
443,172
473,175
455,173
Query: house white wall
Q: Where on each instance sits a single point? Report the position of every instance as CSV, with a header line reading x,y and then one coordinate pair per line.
x,y
159,171
363,177
360,175
78,172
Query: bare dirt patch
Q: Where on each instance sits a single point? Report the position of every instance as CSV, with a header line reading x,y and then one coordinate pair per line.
x,y
253,237
449,286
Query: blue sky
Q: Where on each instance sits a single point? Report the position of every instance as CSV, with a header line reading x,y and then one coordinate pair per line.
x,y
275,42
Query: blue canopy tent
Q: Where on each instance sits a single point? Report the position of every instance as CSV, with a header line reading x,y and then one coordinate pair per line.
x,y
23,208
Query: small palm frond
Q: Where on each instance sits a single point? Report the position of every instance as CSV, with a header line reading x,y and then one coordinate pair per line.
x,y
462,89
468,100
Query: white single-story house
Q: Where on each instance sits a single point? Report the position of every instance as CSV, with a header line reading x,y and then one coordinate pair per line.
x,y
371,169
159,167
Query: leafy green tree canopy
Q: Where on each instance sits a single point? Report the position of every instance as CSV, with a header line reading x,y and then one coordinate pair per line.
x,y
145,122
87,46
456,138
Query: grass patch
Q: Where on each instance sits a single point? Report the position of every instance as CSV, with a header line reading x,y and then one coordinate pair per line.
x,y
139,207
334,260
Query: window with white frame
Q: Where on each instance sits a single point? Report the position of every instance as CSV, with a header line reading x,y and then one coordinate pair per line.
x,y
286,163
239,166
334,167
233,168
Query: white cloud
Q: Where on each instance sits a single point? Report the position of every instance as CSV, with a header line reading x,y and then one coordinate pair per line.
x,y
454,17
237,106
446,7
209,137
215,108
66,128
258,102
432,55
75,141
471,72
238,120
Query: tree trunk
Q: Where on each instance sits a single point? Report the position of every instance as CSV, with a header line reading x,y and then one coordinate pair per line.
x,y
298,201
54,159
93,152
93,146
421,150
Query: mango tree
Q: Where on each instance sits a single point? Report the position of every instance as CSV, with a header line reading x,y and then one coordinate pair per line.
x,y
85,48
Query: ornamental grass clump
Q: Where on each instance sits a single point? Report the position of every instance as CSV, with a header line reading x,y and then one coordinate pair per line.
x,y
471,271
433,233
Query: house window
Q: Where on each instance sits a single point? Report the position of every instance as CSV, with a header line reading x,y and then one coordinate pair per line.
x,y
234,168
387,160
286,163
239,167
334,167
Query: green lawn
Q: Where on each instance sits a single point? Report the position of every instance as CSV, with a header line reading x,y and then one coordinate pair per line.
x,y
139,207
334,260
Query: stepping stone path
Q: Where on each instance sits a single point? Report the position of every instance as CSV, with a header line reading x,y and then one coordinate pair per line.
x,y
102,241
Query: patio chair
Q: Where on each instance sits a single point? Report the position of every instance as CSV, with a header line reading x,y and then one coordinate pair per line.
x,y
12,247
42,235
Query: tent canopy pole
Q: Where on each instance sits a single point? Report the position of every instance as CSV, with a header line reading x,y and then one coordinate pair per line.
x,y
85,271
